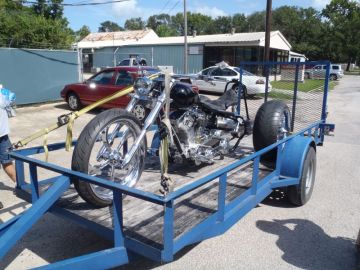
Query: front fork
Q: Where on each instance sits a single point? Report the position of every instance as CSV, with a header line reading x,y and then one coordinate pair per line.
x,y
147,124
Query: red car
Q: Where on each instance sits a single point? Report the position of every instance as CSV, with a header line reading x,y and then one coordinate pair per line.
x,y
103,84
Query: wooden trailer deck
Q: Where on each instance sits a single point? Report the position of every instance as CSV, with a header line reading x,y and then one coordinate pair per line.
x,y
144,220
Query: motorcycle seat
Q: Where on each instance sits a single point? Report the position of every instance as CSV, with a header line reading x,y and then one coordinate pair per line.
x,y
217,105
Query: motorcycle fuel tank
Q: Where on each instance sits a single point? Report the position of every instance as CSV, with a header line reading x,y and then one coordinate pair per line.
x,y
183,95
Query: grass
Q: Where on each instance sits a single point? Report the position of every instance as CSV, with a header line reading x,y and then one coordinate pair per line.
x,y
352,72
278,95
306,86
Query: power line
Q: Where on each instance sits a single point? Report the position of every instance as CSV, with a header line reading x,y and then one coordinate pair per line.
x,y
76,4
174,6
163,8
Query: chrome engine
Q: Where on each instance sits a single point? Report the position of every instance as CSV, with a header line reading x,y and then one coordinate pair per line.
x,y
203,138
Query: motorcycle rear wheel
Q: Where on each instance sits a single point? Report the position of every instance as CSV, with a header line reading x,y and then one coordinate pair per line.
x,y
100,150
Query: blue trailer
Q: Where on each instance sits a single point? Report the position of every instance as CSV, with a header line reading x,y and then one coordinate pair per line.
x,y
156,226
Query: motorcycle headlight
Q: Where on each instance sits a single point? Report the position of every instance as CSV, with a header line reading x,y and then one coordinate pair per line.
x,y
143,86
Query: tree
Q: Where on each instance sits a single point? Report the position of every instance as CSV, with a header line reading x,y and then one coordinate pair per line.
x,y
223,24
27,30
165,31
134,24
82,32
109,26
155,21
240,23
177,23
200,23
22,27
256,21
343,23
54,10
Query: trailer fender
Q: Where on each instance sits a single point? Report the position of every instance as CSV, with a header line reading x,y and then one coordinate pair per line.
x,y
294,154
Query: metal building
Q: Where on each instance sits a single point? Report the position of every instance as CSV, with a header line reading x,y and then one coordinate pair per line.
x,y
107,49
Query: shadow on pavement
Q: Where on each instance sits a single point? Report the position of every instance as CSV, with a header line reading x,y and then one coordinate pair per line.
x,y
307,246
64,106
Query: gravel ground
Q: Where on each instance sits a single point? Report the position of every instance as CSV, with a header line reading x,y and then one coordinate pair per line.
x,y
319,235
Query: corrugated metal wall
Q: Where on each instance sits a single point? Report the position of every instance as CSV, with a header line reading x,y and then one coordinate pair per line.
x,y
37,75
160,55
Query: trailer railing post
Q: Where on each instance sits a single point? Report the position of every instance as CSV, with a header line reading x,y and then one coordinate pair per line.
x,y
267,74
255,175
20,174
279,149
326,90
118,219
221,197
34,183
168,252
240,91
295,95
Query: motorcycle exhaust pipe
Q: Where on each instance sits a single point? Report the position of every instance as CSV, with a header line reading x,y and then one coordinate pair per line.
x,y
225,124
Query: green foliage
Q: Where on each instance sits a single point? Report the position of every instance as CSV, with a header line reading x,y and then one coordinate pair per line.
x,y
109,26
22,27
240,23
343,24
134,24
331,34
202,24
156,21
82,32
256,22
54,10
164,30
222,24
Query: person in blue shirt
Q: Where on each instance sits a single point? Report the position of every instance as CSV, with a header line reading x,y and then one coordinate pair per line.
x,y
6,98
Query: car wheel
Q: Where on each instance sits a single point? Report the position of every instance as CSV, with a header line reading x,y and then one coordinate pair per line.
x,y
236,87
73,101
333,77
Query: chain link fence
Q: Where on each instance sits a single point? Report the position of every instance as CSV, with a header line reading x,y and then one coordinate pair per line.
x,y
300,85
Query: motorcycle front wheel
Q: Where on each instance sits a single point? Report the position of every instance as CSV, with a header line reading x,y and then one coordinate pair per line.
x,y
100,150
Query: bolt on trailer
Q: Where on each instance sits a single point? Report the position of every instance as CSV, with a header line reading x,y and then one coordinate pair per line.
x,y
207,200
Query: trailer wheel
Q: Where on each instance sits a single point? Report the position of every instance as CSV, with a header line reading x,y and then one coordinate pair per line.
x,y
272,123
100,150
301,193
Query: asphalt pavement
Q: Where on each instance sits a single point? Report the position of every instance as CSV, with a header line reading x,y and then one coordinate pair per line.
x,y
274,235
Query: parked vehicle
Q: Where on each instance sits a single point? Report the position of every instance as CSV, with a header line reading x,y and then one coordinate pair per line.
x,y
319,72
133,62
103,84
215,78
113,145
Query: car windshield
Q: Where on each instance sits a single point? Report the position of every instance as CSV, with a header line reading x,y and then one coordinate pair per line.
x,y
246,73
125,62
150,71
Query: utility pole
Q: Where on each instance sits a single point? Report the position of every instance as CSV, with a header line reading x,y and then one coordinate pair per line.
x,y
267,30
185,40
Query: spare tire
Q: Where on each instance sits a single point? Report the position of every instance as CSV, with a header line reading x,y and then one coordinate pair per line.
x,y
272,122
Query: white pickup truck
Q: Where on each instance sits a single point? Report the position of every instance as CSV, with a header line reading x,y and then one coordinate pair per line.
x,y
133,61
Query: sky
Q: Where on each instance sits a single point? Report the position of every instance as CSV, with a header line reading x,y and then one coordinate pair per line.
x,y
92,16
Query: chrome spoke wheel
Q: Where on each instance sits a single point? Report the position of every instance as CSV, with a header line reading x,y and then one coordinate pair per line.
x,y
107,155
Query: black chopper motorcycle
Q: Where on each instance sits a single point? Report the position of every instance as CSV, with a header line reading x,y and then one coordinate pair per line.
x,y
113,145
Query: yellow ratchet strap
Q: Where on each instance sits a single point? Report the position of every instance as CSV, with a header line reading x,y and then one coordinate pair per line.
x,y
71,118
46,150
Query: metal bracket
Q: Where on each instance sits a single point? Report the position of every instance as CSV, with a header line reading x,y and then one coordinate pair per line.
x,y
327,128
